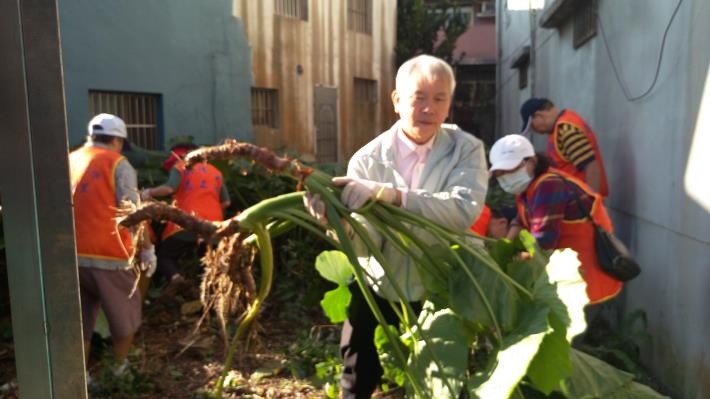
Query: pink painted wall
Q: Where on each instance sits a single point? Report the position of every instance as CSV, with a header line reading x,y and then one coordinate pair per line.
x,y
478,43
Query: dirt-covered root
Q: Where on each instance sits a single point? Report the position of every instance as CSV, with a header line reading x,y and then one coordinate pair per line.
x,y
131,216
232,149
228,284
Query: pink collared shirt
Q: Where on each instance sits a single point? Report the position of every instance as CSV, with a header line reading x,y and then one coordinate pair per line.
x,y
410,159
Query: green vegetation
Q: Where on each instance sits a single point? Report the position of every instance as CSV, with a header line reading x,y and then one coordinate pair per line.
x,y
108,382
497,321
315,356
428,27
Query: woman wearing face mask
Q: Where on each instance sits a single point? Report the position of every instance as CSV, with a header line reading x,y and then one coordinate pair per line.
x,y
554,206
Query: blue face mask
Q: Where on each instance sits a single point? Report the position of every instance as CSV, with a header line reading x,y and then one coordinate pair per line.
x,y
516,182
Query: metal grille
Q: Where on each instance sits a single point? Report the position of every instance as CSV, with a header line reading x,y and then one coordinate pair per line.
x,y
585,22
138,111
365,90
264,107
293,8
360,16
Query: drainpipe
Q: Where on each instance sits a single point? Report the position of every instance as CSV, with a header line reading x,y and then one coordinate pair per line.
x,y
499,77
531,66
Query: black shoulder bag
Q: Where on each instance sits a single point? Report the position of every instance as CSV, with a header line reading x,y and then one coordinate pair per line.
x,y
613,256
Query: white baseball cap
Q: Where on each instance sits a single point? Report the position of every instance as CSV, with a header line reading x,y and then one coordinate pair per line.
x,y
109,125
509,151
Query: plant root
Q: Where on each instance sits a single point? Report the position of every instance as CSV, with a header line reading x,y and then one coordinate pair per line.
x,y
227,285
233,149
160,211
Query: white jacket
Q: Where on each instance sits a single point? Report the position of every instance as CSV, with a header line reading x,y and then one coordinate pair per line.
x,y
452,191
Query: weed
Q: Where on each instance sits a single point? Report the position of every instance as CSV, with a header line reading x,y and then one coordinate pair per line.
x,y
315,356
109,383
620,345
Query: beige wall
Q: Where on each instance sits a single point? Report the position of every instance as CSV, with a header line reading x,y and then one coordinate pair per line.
x,y
330,55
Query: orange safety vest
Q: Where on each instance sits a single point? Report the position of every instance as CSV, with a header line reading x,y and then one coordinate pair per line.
x,y
480,226
92,171
579,235
198,194
558,159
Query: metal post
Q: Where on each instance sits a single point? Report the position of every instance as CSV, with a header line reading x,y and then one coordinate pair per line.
x,y
37,213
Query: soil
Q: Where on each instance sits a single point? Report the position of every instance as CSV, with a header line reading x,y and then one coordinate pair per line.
x,y
167,368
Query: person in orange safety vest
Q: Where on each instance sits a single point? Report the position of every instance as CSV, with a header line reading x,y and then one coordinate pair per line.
x,y
550,205
490,223
200,191
100,179
572,146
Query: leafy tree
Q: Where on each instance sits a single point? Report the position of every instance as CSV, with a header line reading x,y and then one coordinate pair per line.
x,y
425,27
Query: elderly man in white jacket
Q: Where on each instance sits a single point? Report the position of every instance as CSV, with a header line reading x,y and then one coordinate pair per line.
x,y
430,168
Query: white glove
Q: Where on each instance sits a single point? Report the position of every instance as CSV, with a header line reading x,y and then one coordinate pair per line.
x,y
358,191
145,195
148,260
316,207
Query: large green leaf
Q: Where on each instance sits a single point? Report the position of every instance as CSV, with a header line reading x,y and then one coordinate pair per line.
x,y
447,345
593,378
551,364
503,251
393,371
431,272
514,357
101,325
335,304
562,289
635,390
525,270
334,266
467,302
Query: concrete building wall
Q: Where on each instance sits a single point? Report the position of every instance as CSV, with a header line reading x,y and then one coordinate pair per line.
x,y
193,53
654,149
328,54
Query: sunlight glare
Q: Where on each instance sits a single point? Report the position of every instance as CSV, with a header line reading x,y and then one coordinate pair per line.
x,y
524,5
697,179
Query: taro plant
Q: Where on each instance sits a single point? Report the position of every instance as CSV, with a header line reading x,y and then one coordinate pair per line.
x,y
497,320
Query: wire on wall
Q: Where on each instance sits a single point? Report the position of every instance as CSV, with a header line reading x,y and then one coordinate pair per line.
x,y
619,79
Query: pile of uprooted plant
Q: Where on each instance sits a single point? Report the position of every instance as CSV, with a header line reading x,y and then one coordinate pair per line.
x,y
494,324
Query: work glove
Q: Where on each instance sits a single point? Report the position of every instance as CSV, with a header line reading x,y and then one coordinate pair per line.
x,y
145,195
149,261
316,207
358,191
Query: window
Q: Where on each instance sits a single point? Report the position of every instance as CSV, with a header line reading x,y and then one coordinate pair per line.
x,y
264,107
488,9
365,90
585,22
523,76
360,16
293,8
521,61
462,14
139,111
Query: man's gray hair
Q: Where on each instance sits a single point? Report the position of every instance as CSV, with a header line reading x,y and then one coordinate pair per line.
x,y
427,66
